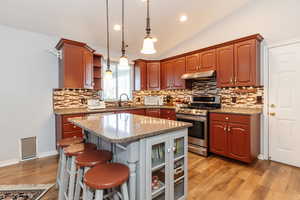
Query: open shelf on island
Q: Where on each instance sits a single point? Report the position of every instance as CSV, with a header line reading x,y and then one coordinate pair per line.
x,y
158,191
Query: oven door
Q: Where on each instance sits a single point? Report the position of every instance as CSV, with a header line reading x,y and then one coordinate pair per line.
x,y
198,132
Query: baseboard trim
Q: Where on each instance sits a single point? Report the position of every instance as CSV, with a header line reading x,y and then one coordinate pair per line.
x,y
261,157
47,154
5,163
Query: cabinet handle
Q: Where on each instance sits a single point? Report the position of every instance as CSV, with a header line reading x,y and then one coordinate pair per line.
x,y
235,80
231,80
229,129
224,128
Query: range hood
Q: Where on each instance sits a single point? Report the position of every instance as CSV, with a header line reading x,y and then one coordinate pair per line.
x,y
200,75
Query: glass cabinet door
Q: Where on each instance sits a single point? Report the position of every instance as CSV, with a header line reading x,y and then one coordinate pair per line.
x,y
157,170
179,165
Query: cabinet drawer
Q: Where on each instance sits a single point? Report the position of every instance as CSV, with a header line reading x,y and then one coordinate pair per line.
x,y
138,112
71,127
242,119
72,134
66,117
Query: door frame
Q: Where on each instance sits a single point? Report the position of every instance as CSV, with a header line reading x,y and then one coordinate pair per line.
x,y
265,143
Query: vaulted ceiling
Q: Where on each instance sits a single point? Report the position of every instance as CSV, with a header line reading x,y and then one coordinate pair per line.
x,y
84,20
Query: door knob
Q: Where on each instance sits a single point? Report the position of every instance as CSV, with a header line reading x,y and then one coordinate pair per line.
x,y
272,114
272,106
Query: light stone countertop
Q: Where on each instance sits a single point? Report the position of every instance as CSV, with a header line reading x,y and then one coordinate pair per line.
x,y
240,111
69,111
124,127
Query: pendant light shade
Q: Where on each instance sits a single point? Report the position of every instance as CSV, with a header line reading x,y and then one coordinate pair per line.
x,y
148,45
123,59
108,72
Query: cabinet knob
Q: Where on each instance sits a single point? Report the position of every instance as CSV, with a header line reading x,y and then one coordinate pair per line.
x,y
272,114
169,150
174,149
227,118
74,126
229,129
272,105
225,128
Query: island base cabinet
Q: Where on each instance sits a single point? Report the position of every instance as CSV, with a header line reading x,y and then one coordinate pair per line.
x,y
166,167
235,136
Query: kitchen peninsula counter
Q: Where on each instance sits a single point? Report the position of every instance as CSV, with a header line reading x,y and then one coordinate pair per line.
x,y
124,127
152,148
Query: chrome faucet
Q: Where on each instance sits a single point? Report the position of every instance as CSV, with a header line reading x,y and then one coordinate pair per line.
x,y
120,99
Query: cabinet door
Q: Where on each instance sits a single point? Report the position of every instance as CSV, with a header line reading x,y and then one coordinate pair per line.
x,y
178,71
153,113
239,141
218,137
140,75
138,112
225,66
153,75
157,168
72,74
88,69
178,189
245,63
192,63
207,60
168,114
167,75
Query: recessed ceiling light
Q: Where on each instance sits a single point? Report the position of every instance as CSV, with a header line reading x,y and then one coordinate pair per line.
x,y
117,27
154,39
183,18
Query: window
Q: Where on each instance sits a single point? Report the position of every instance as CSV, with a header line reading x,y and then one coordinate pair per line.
x,y
120,83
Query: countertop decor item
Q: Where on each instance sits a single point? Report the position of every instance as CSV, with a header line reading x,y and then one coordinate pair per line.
x,y
24,192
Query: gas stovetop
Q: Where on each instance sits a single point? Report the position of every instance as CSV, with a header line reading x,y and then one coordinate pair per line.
x,y
195,110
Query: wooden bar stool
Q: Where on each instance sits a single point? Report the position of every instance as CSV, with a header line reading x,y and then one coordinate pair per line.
x,y
62,159
107,176
84,162
69,172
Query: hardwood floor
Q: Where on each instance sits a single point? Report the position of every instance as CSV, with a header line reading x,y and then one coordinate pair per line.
x,y
209,178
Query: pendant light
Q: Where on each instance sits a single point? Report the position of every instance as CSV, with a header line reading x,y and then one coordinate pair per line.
x,y
123,59
108,72
148,45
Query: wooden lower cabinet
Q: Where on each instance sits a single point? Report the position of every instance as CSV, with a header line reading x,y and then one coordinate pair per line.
x,y
218,138
235,136
64,129
168,114
153,112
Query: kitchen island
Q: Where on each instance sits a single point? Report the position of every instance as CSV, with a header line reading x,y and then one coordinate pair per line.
x,y
154,149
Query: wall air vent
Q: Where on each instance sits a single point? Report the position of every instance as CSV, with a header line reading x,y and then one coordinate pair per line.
x,y
28,148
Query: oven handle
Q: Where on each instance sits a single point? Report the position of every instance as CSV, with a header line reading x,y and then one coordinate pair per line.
x,y
199,119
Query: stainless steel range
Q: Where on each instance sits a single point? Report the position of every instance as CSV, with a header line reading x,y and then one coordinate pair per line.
x,y
197,114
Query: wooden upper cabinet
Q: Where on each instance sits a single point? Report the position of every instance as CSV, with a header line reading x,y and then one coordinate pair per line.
x,y
75,65
140,75
166,75
153,75
207,60
247,63
178,70
225,66
88,70
192,63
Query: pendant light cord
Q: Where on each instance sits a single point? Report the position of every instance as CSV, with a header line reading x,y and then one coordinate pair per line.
x,y
148,29
123,39
107,36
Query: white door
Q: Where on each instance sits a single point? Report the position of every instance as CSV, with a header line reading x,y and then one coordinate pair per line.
x,y
284,104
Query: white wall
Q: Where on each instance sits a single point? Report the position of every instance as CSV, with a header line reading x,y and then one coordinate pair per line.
x,y
28,74
275,19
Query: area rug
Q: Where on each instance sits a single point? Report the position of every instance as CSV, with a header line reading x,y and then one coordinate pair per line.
x,y
23,192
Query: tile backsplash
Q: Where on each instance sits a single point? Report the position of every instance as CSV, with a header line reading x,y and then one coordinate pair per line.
x,y
234,97
72,98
